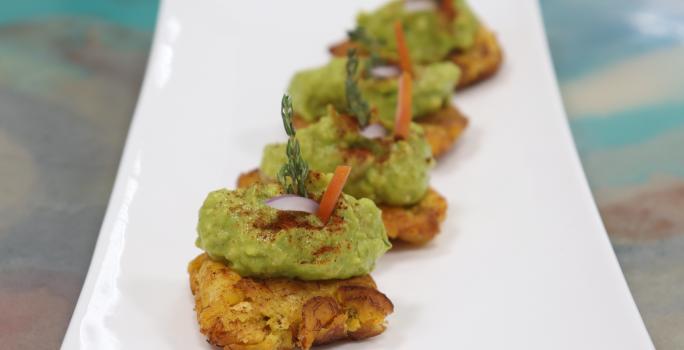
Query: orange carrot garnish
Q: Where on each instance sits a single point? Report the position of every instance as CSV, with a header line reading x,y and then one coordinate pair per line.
x,y
402,120
402,48
333,192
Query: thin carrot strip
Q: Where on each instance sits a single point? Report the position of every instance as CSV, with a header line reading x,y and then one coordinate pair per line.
x,y
333,192
403,116
402,48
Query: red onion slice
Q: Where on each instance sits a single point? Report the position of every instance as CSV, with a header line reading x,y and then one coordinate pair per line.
x,y
373,131
291,202
419,5
385,72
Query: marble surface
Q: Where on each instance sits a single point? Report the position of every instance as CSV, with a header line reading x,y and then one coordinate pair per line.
x,y
70,71
68,86
618,66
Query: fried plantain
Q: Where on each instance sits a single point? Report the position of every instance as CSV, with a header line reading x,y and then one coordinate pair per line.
x,y
415,224
249,178
443,128
242,313
477,63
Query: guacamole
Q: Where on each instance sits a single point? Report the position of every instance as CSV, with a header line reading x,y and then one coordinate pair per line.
x,y
383,170
314,89
430,37
257,240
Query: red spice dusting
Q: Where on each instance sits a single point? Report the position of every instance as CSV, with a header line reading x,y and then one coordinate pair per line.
x,y
447,8
336,221
285,220
324,250
348,123
314,175
356,155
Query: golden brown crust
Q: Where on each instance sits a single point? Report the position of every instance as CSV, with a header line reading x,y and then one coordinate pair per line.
x,y
340,49
249,178
477,63
415,224
442,128
241,313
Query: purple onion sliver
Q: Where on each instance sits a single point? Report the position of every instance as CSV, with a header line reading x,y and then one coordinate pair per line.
x,y
291,202
419,5
385,72
373,131
268,201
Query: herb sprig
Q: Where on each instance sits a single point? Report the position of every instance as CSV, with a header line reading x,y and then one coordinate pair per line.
x,y
360,36
293,174
356,105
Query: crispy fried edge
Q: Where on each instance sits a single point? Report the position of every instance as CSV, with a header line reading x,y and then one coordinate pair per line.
x,y
477,63
443,128
249,178
415,224
353,308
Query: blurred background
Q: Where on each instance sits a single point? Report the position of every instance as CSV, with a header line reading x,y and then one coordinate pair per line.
x,y
70,71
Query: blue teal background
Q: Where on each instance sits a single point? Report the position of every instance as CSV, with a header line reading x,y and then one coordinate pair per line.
x,y
74,67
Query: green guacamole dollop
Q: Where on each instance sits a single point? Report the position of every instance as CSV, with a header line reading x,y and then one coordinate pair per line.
x,y
257,240
429,36
383,170
314,89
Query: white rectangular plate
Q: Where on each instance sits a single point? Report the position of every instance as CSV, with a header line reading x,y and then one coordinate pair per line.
x,y
523,261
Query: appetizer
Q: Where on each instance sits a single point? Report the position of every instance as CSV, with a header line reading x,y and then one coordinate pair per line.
x,y
436,31
378,83
392,169
286,263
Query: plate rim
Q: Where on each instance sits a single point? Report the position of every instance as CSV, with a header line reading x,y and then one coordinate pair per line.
x,y
127,163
